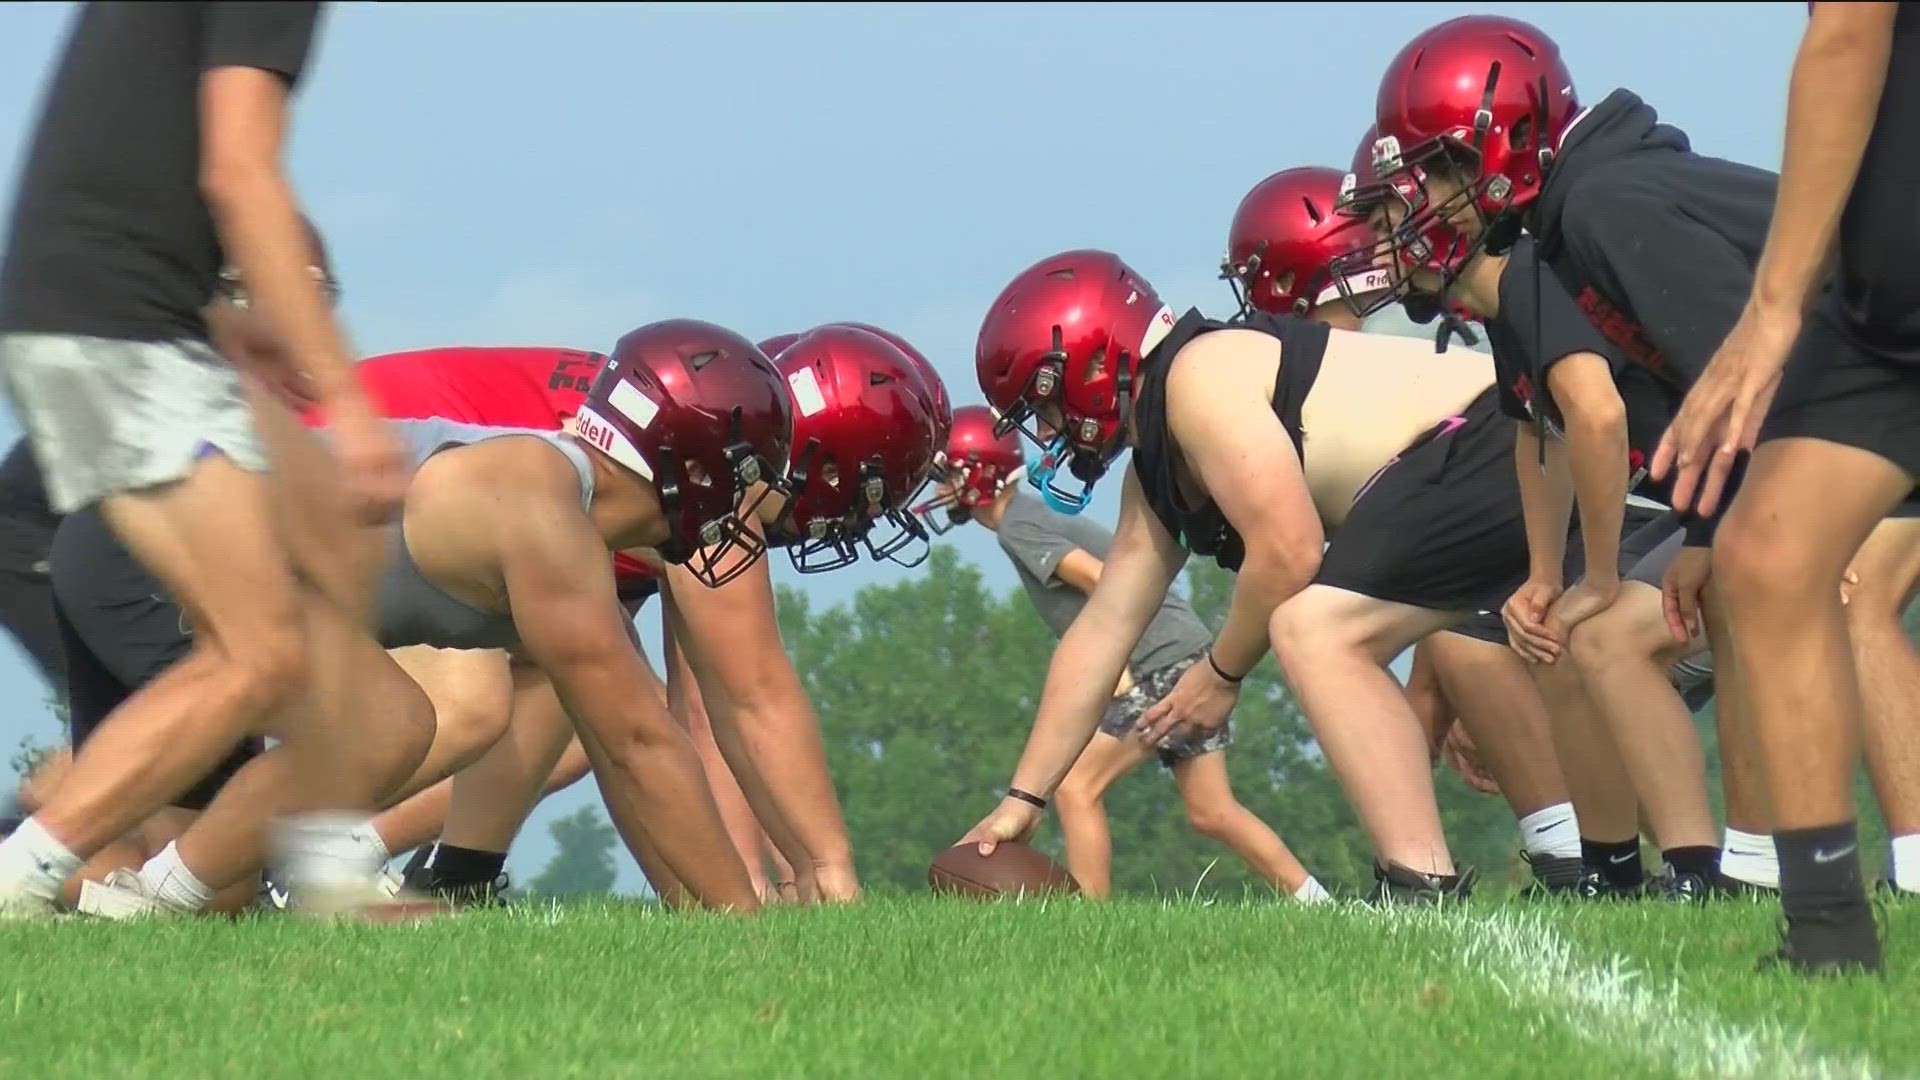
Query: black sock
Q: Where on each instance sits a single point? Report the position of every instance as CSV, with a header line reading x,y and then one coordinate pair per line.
x,y
1617,861
1700,861
450,865
1820,870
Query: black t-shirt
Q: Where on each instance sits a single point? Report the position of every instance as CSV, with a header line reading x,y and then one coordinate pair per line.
x,y
111,236
1540,324
1877,298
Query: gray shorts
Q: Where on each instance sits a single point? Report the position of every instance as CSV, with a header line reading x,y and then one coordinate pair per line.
x,y
108,417
1126,710
1693,676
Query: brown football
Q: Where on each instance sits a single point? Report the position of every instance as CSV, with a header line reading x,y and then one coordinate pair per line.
x,y
1012,870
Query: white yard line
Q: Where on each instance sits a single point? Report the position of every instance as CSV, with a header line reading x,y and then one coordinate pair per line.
x,y
1613,1004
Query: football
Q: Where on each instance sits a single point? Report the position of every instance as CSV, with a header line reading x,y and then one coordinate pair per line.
x,y
1012,870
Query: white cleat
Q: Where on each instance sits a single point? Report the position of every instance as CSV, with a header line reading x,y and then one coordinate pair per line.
x,y
123,896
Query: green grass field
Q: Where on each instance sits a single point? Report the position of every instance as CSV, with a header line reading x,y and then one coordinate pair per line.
x,y
913,986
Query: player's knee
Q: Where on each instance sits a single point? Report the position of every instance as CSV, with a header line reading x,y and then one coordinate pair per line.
x,y
469,728
1212,819
268,668
1633,630
1078,792
1756,556
1298,633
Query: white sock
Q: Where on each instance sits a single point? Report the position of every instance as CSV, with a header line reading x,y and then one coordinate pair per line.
x,y
1750,857
33,862
1312,892
1551,833
168,879
328,850
1905,868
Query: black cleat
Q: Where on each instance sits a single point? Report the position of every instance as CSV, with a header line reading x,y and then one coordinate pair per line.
x,y
1723,887
1395,884
1553,875
1828,944
1595,885
459,893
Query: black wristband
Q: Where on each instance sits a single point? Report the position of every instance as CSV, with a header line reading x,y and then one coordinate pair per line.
x,y
1215,665
1027,797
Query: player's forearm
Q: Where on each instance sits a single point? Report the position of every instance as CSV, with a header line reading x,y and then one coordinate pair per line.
x,y
1597,451
1085,667
780,741
655,788
1832,101
1266,580
1546,502
260,230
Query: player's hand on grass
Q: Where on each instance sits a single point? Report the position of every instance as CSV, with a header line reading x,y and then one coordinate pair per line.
x,y
1013,821
1199,702
1525,614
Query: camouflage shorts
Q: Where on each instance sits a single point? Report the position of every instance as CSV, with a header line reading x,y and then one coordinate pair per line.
x,y
1128,708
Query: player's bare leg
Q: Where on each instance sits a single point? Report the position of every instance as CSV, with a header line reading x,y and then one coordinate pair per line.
x,y
1495,700
1216,814
1083,817
1780,569
1333,646
471,691
1622,656
1884,572
1743,781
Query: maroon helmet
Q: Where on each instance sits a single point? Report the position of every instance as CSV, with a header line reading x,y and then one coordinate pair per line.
x,y
1483,97
942,405
862,447
699,412
1283,239
1062,344
978,462
778,344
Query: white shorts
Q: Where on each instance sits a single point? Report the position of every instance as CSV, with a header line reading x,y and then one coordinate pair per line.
x,y
108,417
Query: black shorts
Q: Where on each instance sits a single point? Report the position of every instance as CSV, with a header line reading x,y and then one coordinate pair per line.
x,y
1439,527
27,524
1837,391
1641,530
120,631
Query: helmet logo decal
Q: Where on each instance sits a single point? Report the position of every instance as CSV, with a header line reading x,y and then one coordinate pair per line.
x,y
1157,330
633,404
807,397
593,427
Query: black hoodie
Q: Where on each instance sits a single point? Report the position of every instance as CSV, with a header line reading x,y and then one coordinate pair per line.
x,y
1656,243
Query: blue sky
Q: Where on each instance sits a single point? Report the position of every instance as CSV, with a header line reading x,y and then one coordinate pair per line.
x,y
561,173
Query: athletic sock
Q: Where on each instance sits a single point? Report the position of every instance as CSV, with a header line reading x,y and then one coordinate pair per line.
x,y
1752,858
1617,861
1552,833
328,850
1903,868
1820,871
1312,892
1699,861
466,866
169,880
33,862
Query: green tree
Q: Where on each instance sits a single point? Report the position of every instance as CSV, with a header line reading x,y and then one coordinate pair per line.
x,y
31,751
582,864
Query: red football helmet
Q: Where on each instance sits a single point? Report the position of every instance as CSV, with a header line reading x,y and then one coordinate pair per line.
x,y
699,412
778,344
978,462
942,405
863,445
1061,346
1283,239
1481,97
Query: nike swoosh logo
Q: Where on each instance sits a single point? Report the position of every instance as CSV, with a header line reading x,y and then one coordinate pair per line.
x,y
1552,825
1824,857
1618,859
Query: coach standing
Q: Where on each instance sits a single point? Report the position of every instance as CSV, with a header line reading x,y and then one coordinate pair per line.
x,y
155,163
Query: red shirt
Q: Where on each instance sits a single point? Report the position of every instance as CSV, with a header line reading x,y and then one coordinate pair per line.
x,y
530,387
